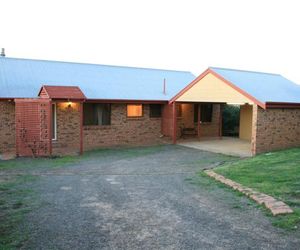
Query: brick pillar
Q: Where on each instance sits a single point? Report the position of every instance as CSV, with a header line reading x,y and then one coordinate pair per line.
x,y
81,128
174,123
199,120
221,120
167,120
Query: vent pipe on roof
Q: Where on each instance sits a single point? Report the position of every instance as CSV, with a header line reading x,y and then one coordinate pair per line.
x,y
2,52
164,87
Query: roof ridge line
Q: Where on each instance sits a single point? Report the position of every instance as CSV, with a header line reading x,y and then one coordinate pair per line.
x,y
95,64
249,71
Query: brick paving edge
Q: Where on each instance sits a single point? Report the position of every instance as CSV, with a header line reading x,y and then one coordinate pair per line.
x,y
275,206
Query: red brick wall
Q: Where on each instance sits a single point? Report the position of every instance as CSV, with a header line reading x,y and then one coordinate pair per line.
x,y
275,129
123,130
32,127
68,129
7,127
211,129
188,115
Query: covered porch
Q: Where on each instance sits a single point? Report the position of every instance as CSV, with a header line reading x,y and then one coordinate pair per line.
x,y
199,117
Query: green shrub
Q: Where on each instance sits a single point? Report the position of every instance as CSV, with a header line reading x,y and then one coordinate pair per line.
x,y
231,120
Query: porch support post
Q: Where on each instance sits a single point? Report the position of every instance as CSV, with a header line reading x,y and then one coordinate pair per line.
x,y
81,127
17,127
174,123
50,120
220,121
199,120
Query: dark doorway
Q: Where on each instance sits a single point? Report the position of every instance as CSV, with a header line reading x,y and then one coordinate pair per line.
x,y
231,120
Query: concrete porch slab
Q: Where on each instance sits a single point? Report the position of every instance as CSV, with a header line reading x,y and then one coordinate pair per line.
x,y
225,145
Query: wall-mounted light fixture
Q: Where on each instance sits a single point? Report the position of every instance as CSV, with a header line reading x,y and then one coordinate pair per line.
x,y
69,104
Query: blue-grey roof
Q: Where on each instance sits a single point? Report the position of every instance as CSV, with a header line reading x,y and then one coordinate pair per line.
x,y
23,78
265,87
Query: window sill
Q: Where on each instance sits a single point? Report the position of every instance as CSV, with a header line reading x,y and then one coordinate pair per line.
x,y
94,127
136,118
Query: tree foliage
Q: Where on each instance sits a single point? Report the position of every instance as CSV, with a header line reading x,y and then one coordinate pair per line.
x,y
231,120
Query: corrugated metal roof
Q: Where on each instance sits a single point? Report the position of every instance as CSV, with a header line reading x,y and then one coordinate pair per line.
x,y
63,92
23,78
264,87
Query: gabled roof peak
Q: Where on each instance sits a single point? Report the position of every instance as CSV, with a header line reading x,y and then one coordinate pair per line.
x,y
61,92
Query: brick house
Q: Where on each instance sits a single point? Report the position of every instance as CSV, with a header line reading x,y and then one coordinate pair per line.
x,y
57,108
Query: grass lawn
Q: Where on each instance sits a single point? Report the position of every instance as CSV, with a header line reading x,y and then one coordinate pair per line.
x,y
276,174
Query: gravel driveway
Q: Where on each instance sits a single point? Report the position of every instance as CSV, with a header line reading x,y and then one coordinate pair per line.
x,y
122,200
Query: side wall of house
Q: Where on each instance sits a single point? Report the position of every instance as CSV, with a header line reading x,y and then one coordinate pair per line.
x,y
275,129
124,130
7,127
68,129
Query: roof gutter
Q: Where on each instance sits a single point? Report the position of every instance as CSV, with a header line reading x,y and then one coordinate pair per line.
x,y
274,105
67,99
94,100
126,101
6,99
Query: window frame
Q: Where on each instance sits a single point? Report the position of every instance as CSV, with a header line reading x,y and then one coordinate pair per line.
x,y
202,105
211,112
53,121
130,117
94,106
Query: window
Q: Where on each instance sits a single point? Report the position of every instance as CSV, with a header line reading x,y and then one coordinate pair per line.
x,y
179,110
134,110
96,114
53,122
205,112
155,110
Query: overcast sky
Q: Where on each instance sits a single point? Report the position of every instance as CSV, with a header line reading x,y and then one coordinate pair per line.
x,y
259,35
